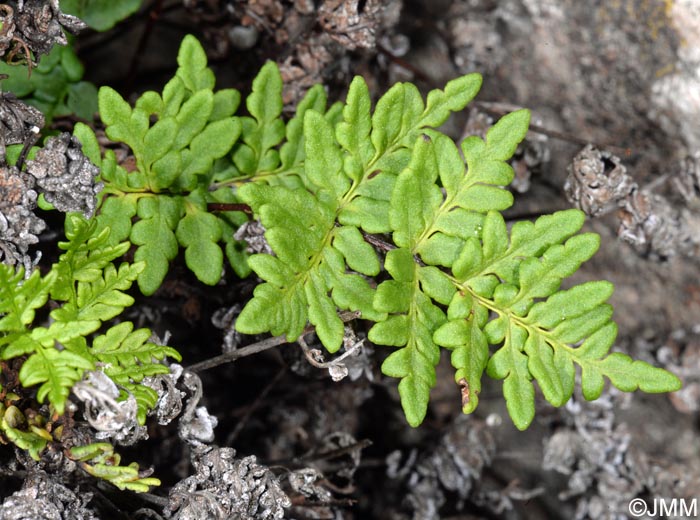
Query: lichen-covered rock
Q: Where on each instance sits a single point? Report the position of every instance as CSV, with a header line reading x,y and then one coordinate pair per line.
x,y
224,487
65,175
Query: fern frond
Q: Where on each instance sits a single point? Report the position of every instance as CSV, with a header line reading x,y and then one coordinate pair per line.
x,y
57,371
127,357
87,253
14,426
262,132
19,297
100,460
378,146
320,185
91,290
312,260
309,264
155,236
102,299
413,320
193,129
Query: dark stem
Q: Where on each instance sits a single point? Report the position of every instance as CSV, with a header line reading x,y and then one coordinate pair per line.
x,y
255,348
28,143
377,242
324,455
229,206
260,346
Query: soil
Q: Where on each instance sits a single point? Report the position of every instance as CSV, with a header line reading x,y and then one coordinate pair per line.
x,y
623,75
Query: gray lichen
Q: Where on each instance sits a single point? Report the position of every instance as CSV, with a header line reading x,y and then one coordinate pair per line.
x,y
65,175
19,226
36,25
605,467
597,182
454,465
224,487
19,122
651,224
112,419
43,498
169,404
196,424
253,233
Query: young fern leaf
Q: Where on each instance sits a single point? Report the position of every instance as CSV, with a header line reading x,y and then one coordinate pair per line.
x,y
91,290
128,357
193,128
19,298
99,460
378,146
414,318
309,264
265,129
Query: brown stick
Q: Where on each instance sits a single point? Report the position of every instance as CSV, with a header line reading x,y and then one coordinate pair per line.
x,y
260,346
229,206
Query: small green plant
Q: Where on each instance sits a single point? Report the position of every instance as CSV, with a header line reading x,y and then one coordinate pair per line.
x,y
55,86
169,189
81,292
346,190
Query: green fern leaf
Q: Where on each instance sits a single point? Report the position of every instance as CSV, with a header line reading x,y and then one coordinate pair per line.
x,y
87,253
413,320
154,234
308,267
116,214
57,371
511,364
19,297
199,232
226,103
580,315
343,173
292,151
122,347
463,334
265,130
102,299
100,460
174,162
13,426
128,357
193,70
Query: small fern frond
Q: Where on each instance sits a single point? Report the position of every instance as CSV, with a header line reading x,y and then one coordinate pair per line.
x,y
309,265
194,127
100,460
57,371
19,297
412,322
90,291
320,185
127,357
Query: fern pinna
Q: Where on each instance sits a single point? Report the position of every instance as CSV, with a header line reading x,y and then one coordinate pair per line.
x,y
334,180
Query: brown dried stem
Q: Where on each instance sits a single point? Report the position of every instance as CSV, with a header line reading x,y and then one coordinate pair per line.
x,y
260,346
